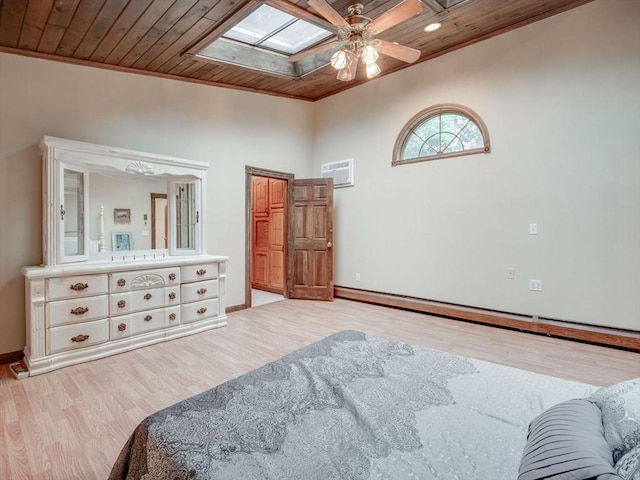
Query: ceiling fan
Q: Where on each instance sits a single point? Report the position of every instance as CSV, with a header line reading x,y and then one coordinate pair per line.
x,y
356,37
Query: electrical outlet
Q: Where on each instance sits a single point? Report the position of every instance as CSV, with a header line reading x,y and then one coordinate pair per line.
x,y
535,285
357,277
511,273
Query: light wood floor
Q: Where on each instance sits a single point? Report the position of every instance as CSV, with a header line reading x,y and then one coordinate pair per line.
x,y
71,423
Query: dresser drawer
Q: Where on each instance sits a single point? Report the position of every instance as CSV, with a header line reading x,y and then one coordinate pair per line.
x,y
76,310
129,302
78,335
136,323
195,273
192,312
78,286
143,279
194,292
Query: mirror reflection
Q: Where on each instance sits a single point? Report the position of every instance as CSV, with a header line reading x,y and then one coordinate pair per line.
x,y
159,226
72,212
186,216
132,209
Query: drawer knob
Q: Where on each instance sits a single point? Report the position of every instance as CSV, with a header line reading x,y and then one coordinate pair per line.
x,y
202,271
172,296
147,296
172,276
78,287
79,310
148,318
122,303
201,310
122,327
122,282
202,291
172,316
80,338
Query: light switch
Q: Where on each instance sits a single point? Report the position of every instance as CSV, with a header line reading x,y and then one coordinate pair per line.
x,y
533,229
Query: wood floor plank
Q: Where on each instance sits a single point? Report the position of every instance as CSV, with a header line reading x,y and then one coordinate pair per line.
x,y
4,449
72,422
17,453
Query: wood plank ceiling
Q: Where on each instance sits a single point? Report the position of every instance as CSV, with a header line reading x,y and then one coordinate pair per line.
x,y
152,36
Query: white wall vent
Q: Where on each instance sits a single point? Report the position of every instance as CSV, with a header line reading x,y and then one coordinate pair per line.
x,y
341,172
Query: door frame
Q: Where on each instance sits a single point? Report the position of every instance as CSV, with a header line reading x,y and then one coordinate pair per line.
x,y
248,260
154,217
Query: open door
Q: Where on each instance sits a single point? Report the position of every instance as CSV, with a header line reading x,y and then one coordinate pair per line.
x,y
268,234
311,239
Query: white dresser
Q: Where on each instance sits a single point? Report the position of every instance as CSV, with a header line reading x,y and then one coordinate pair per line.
x,y
125,262
80,312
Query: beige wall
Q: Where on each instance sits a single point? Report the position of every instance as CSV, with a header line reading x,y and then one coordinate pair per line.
x,y
561,99
226,128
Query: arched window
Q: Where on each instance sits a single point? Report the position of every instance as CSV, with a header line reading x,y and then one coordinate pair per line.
x,y
441,131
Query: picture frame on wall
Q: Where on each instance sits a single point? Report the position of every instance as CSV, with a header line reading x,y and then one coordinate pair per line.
x,y
122,241
121,215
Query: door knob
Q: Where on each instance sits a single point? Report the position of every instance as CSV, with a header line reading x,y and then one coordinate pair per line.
x,y
329,244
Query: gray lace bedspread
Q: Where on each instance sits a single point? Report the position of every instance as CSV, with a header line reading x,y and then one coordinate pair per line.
x,y
351,406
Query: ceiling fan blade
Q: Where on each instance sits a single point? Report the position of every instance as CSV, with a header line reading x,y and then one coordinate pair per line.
x,y
315,50
328,12
406,54
395,15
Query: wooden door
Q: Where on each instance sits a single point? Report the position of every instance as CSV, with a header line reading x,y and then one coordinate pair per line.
x,y
260,227
268,233
277,234
311,239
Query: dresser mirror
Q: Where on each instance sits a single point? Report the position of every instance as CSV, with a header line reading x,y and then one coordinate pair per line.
x,y
187,216
72,213
112,204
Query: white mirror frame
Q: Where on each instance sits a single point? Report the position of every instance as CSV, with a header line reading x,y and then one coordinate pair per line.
x,y
62,210
87,157
172,216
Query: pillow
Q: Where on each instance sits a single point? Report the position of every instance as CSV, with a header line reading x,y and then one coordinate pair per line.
x,y
628,467
620,406
566,442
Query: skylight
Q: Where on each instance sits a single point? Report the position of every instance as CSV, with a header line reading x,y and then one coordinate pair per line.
x,y
273,29
262,35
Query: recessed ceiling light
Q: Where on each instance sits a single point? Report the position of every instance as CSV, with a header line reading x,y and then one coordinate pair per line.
x,y
432,27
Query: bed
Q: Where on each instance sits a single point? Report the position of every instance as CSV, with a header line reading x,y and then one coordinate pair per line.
x,y
357,406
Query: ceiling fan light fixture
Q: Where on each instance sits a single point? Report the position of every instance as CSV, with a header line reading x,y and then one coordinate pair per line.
x,y
340,59
356,37
372,70
369,55
346,74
